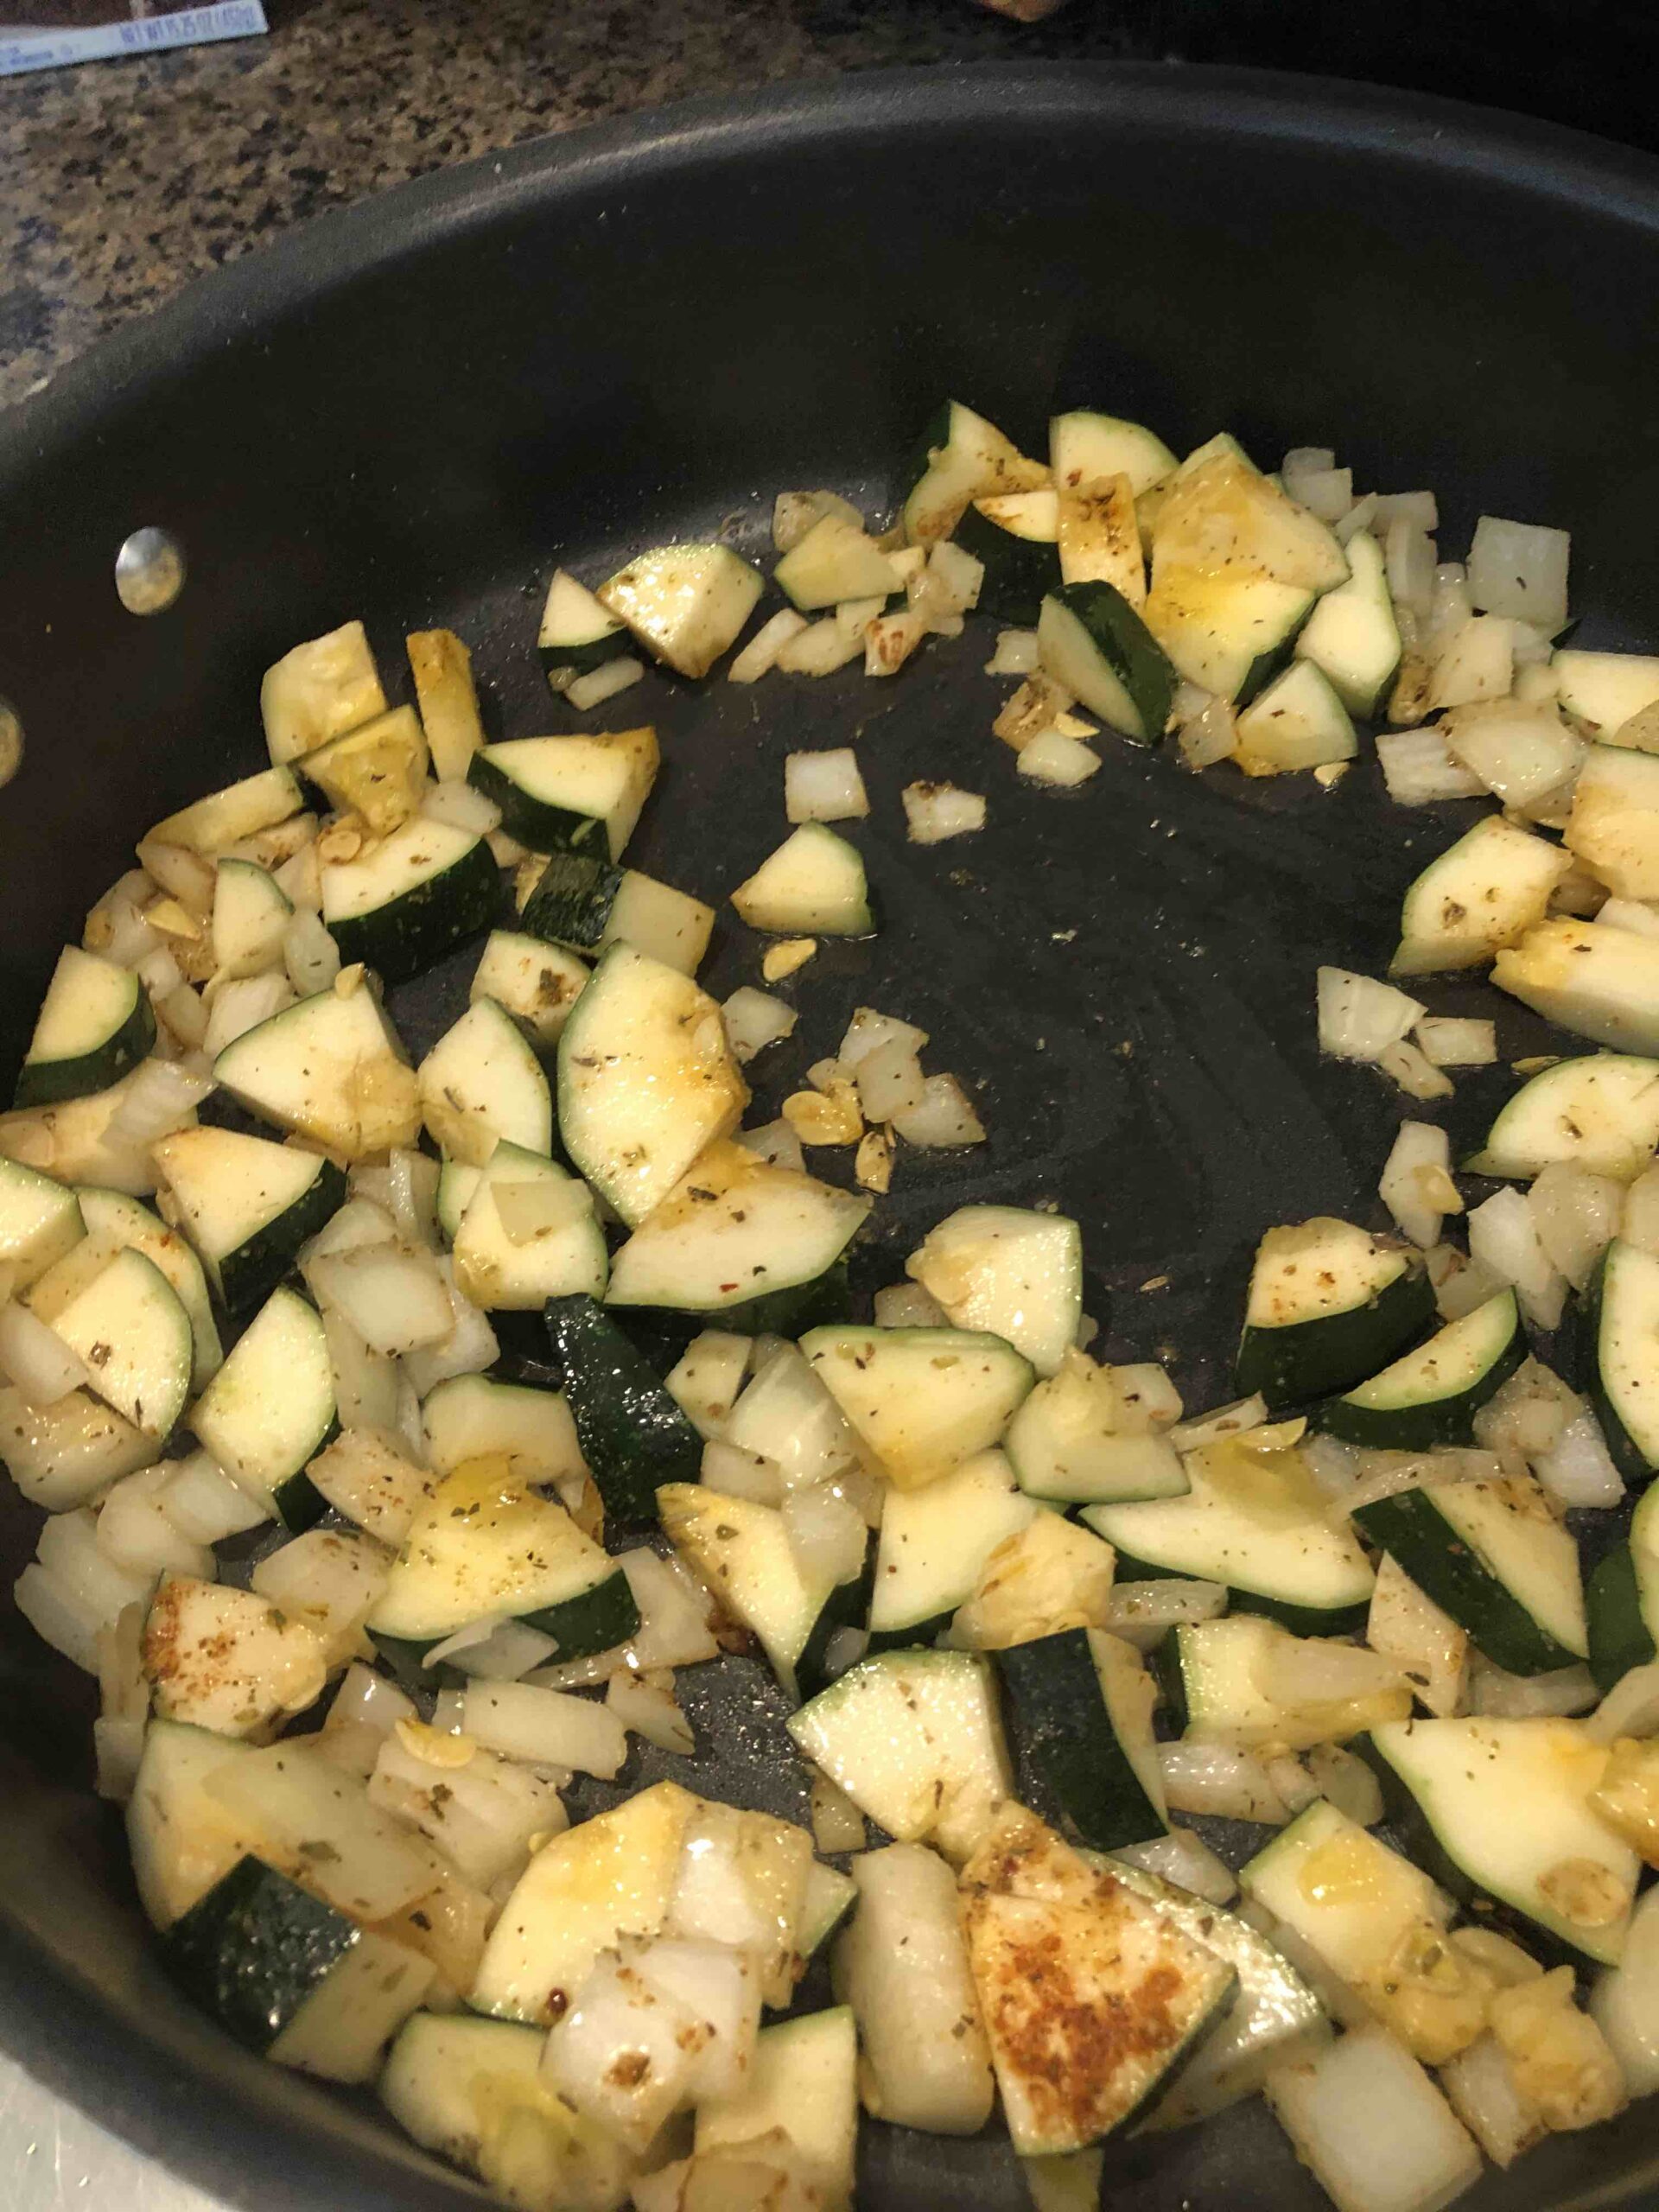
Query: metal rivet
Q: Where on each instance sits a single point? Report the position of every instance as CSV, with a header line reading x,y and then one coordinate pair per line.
x,y
12,742
149,571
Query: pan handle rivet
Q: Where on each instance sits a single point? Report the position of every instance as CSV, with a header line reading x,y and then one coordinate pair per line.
x,y
149,571
12,742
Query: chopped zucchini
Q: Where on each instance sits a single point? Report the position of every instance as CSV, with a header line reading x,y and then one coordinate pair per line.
x,y
117,1221
684,603
933,1546
481,1085
803,2082
1013,1274
1078,1713
1085,448
403,904
471,1416
570,794
95,1024
537,983
39,1221
1013,536
270,1407
741,1550
1620,1330
1329,1304
1095,643
1600,1112
1218,1684
1071,1444
319,691
1483,895
227,1660
1297,721
377,772
529,1234
1430,1396
634,1436
922,1400
814,885
1600,984
183,1840
225,817
578,633
129,1326
252,913
246,1205
447,698
330,1068
1352,635
960,457
834,561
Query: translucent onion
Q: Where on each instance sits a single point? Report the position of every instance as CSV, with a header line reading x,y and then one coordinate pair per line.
x,y
369,1701
1460,1284
1212,1778
1559,1695
945,1118
1015,654
1416,1184
1629,1709
869,1032
761,655
160,1097
64,1618
469,1348
755,1020
510,1651
1503,1236
309,954
1185,1859
890,1082
934,811
1520,568
36,1358
1296,1670
736,1473
461,806
1142,1614
824,786
1294,1784
845,1647
1347,1782
545,1727
1360,1018
136,1530
1448,1041
775,1142
391,1294
1580,1469
647,1708
1418,769
827,1534
1236,1419
1576,1215
241,1004
1527,1416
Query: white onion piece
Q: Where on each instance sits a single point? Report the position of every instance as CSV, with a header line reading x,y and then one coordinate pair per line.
x,y
461,806
160,1097
1558,1695
1295,1785
827,1534
1142,1612
309,954
1360,1018
36,1359
1416,1185
116,926
675,1610
1387,1474
118,1747
945,1119
1580,1469
869,1031
159,972
1629,1709
241,1003
134,1529
510,1650
934,811
1409,553
204,1502
1334,1465
1016,654
1576,1215
1449,607
1347,1782
755,1020
761,655
1236,1419
391,1294
837,1824
1210,735
1460,1284
1421,509
62,1618
890,1082
775,1142
648,1709
368,1701
1212,1778
1185,1859
1361,516
1296,1670
1405,1065
908,1306
545,1728
1418,769
1503,1236
331,1578
736,1473
824,786
705,1381
1449,1041
1528,1415
182,1011
845,1647
1520,568
1480,2084
953,571
469,1348
449,1710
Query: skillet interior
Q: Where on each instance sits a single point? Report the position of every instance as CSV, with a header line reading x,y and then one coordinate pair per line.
x,y
410,411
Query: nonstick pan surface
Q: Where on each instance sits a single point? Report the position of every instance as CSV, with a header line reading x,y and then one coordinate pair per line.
x,y
410,412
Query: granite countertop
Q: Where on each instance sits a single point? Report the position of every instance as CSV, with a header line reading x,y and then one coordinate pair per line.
x,y
124,179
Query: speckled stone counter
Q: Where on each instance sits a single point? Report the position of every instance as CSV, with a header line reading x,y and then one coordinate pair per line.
x,y
121,180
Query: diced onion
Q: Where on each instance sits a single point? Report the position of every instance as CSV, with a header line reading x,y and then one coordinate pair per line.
x,y
1525,755
36,1358
868,1031
461,806
406,1186
1405,1065
674,1612
506,1652
182,1011
845,1647
160,1097
309,953
1297,1670
1360,1018
755,1020
241,1003
604,682
1520,568
159,972
1015,654
1529,1414
1361,516
136,1530
1213,1778
1185,1859
1576,1215
1629,1709
1493,1693
206,1505
1581,1470
1503,1236
935,811
945,1118
1053,758
1142,1614
824,786
908,1306
469,1348
1295,1785
736,1473
1409,552
761,655
1418,769
1480,2083
1416,1185
954,573
59,1616
775,1142
1346,1782
1334,1465
1446,1041
1421,509
1460,1284
1450,606
647,1708
1210,735
392,1294
1628,914
827,1534
545,1728
889,1082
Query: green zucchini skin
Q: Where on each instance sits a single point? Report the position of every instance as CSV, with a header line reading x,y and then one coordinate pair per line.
x,y
300,1505
632,1435
572,901
598,1620
249,1274
1122,639
1450,1419
1067,1754
1317,1359
918,1636
47,1082
1428,1549
1619,1636
1622,1449
1302,1620
534,822
789,1311
252,1950
1019,572
415,931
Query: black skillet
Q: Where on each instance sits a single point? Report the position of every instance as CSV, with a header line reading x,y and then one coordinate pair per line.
x,y
411,410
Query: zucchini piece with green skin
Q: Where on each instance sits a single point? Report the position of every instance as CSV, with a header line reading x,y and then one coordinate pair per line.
x,y
319,690
1493,1558
685,604
933,1545
40,1220
1083,2047
473,1414
802,2080
1620,1331
331,1069
246,1205
1016,1273
1600,1112
562,1255
485,1544
913,1738
1605,688
1212,1672
1502,1808
537,983
959,457
411,898
734,1229
1352,634
252,913
1430,1396
225,817
181,1839
1478,897
647,1080
1085,448
813,884
1600,981
819,1303
582,904
1077,1709
1329,1304
922,1400
1013,538
122,1221
578,633
95,1024
1066,1445
1297,721
634,1436
1230,634
292,1977
481,1085
377,771
129,1326
570,794
457,1181
741,1550
271,1408
1254,1519
834,561
1092,641
1622,1599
